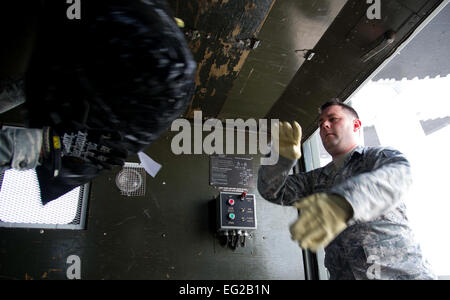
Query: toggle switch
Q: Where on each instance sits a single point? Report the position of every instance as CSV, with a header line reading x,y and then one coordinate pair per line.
x,y
244,194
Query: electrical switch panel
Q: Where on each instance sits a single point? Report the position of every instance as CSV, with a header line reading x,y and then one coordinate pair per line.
x,y
236,211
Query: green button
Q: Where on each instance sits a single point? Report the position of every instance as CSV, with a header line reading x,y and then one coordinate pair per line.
x,y
231,216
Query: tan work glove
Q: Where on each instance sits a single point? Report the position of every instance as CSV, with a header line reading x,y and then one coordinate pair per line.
x,y
288,142
322,218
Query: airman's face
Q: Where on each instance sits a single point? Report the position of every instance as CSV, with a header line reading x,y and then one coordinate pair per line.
x,y
338,129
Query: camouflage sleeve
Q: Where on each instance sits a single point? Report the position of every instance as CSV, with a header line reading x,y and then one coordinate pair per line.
x,y
20,148
373,193
277,186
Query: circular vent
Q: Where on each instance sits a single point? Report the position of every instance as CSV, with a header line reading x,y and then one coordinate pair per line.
x,y
129,180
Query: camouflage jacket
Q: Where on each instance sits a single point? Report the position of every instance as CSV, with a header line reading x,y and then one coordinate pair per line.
x,y
19,148
378,243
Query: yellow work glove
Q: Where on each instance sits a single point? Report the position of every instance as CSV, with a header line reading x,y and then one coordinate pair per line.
x,y
322,218
180,23
288,142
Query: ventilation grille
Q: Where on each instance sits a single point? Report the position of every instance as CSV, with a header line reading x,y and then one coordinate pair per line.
x,y
131,180
21,206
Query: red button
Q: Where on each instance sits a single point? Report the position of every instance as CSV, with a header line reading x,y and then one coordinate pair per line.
x,y
231,201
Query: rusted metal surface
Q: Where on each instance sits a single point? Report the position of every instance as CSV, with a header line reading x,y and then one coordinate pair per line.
x,y
292,28
219,34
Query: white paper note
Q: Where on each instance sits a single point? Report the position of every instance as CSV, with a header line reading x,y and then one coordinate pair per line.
x,y
151,166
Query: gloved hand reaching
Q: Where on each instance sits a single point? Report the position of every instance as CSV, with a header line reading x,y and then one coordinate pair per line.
x,y
322,218
288,142
93,146
73,156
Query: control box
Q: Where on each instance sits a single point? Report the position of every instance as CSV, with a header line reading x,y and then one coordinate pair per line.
x,y
236,211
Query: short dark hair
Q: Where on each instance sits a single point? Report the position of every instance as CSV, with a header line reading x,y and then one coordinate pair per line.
x,y
348,108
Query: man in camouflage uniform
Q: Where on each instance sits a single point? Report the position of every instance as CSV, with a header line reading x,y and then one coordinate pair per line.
x,y
353,206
